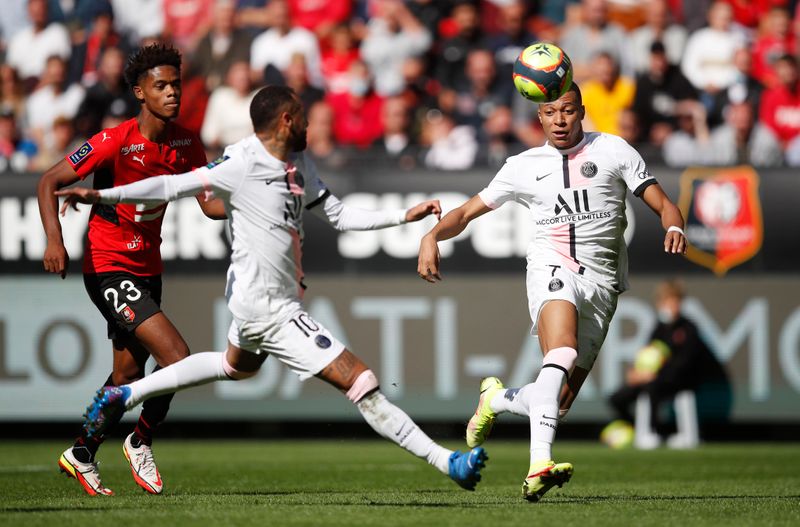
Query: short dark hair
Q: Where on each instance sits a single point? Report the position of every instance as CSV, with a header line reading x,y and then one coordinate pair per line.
x,y
149,57
577,89
269,103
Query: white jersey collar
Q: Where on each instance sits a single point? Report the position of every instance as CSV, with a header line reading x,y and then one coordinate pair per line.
x,y
571,150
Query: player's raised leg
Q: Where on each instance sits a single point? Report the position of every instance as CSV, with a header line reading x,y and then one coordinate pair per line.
x,y
558,330
349,374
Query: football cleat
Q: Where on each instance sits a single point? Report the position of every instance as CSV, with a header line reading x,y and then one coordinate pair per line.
x,y
143,466
107,407
86,474
465,467
482,422
544,476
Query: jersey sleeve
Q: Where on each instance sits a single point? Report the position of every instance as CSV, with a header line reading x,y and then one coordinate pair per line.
x,y
315,188
633,169
222,176
98,152
225,174
501,188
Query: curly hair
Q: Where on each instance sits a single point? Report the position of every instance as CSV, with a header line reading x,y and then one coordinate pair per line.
x,y
148,57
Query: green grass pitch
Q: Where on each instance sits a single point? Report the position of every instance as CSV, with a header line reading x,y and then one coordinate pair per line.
x,y
354,483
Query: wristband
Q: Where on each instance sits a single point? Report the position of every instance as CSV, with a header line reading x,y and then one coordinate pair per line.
x,y
673,228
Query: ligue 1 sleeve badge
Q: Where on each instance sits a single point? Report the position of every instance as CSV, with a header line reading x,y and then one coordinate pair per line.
x,y
722,209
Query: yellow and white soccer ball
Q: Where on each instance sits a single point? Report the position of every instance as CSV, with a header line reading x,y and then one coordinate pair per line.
x,y
542,72
618,434
652,357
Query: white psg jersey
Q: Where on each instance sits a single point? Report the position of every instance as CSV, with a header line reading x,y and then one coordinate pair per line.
x,y
264,201
576,198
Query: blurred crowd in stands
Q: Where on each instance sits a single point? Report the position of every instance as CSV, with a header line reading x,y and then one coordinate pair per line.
x,y
414,83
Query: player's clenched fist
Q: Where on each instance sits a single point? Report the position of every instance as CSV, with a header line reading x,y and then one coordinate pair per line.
x,y
428,262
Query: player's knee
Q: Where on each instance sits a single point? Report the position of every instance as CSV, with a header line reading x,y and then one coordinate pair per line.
x,y
236,374
563,358
364,384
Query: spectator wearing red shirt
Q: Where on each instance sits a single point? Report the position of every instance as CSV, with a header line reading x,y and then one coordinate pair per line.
x,y
774,41
319,16
749,12
780,105
186,21
358,111
337,58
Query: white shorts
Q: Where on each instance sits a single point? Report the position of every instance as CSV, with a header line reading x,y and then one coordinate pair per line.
x,y
291,335
596,305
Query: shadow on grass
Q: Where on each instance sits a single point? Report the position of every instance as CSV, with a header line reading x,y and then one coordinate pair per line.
x,y
607,499
66,508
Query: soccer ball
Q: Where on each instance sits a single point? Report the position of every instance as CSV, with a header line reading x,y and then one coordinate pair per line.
x,y
542,72
618,434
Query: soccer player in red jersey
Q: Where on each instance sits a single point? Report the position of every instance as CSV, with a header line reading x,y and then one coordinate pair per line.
x,y
122,265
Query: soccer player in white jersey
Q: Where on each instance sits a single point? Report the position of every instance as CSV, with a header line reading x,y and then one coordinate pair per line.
x,y
574,187
266,188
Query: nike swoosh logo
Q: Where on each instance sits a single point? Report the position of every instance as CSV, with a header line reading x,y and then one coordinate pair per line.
x,y
400,431
539,178
551,418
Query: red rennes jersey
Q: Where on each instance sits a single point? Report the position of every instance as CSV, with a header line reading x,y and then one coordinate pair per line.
x,y
127,237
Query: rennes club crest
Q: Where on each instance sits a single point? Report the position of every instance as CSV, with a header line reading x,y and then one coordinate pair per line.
x,y
723,216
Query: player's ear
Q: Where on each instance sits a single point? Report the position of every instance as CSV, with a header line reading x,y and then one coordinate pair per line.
x,y
138,93
583,112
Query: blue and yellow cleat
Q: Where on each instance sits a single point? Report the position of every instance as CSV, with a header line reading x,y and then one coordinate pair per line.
x,y
544,476
105,410
465,467
482,422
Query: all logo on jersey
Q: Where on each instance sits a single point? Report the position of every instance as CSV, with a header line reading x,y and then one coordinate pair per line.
x,y
578,201
555,285
322,341
723,216
588,169
80,154
217,161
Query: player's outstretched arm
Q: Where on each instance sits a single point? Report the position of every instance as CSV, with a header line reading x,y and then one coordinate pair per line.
x,y
453,224
56,259
150,191
671,218
345,218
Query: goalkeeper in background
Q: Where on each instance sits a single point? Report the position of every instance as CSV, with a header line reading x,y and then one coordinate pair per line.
x,y
676,359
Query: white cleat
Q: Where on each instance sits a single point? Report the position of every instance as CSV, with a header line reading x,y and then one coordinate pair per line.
x,y
143,466
85,473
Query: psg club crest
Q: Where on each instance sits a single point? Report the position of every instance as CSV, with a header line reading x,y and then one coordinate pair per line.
x,y
723,216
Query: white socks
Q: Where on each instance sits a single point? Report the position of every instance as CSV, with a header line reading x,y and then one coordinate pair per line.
x,y
512,400
543,402
395,425
200,368
540,402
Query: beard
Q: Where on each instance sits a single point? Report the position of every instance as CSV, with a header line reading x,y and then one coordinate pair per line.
x,y
298,141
